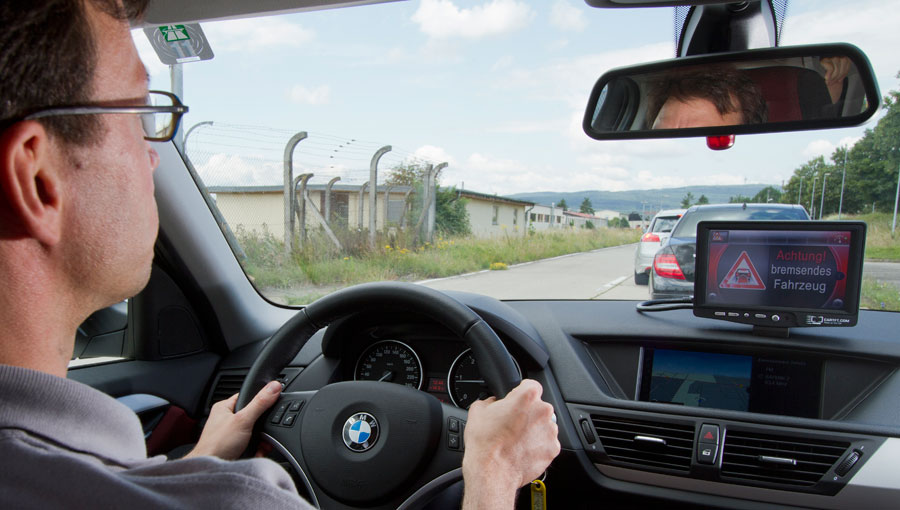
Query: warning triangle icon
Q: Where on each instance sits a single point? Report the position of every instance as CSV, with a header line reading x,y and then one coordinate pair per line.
x,y
742,275
709,435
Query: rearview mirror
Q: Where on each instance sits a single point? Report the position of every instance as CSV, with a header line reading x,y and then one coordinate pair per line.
x,y
755,91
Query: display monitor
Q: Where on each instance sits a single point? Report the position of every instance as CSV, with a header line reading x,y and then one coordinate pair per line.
x,y
779,274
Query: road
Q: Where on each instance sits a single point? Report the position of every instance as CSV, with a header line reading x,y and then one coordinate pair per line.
x,y
606,273
600,274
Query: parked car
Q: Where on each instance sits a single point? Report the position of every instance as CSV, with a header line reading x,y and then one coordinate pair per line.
x,y
660,227
672,274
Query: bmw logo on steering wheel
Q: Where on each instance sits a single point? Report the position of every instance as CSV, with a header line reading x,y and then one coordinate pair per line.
x,y
360,432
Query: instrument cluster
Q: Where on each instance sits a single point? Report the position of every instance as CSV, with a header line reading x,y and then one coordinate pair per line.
x,y
445,369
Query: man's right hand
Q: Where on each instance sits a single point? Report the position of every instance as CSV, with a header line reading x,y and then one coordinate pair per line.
x,y
509,443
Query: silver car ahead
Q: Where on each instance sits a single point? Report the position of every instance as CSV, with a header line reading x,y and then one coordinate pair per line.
x,y
659,230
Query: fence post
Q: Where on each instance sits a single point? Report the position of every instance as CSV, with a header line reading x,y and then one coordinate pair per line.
x,y
327,211
288,191
300,209
373,192
359,206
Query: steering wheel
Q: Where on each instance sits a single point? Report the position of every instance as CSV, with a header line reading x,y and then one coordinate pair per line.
x,y
367,443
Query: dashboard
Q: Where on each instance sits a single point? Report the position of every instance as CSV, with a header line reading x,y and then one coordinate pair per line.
x,y
660,407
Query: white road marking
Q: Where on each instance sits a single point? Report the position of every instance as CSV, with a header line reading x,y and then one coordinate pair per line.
x,y
612,284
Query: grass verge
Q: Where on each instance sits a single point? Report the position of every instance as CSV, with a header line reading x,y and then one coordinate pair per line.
x,y
876,295
319,268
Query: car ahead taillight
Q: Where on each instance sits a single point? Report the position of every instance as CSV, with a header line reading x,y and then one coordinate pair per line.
x,y
650,237
666,266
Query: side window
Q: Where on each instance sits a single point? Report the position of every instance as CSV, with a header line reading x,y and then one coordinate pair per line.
x,y
496,216
515,217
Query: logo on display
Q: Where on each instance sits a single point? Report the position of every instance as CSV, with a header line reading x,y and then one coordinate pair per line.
x,y
360,432
742,275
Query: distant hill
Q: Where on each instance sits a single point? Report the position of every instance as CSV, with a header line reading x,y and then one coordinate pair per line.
x,y
630,201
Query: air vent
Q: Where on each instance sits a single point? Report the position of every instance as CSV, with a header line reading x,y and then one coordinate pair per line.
x,y
783,460
230,383
650,444
226,386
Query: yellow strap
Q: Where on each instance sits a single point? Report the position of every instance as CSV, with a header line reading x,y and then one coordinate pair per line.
x,y
538,495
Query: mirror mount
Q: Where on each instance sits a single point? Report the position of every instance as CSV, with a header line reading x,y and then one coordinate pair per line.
x,y
744,92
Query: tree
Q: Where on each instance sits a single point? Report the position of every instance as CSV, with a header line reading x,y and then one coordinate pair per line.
x,y
688,200
451,217
871,169
740,199
563,205
766,195
702,200
586,206
408,174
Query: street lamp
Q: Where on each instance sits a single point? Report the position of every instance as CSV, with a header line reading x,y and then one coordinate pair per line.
x,y
822,203
812,196
800,192
843,179
189,131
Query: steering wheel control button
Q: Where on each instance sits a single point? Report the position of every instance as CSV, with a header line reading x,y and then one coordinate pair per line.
x,y
360,432
289,419
588,433
453,442
453,425
295,406
709,434
279,413
706,453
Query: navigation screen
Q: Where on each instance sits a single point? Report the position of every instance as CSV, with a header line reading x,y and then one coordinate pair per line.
x,y
778,268
758,384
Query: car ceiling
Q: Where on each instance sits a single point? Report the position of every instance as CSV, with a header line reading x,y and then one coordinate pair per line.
x,y
160,12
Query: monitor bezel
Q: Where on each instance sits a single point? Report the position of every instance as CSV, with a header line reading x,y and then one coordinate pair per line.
x,y
854,274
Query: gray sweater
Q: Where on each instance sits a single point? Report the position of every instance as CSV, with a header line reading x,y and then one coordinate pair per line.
x,y
66,445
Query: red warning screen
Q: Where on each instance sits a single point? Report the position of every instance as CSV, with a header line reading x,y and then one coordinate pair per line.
x,y
797,269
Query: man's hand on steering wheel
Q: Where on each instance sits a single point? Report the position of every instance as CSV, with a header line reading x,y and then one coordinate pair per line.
x,y
509,442
227,433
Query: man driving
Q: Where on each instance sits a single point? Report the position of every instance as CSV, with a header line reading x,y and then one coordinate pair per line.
x,y
78,223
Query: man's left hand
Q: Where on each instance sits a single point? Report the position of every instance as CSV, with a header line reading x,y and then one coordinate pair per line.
x,y
227,433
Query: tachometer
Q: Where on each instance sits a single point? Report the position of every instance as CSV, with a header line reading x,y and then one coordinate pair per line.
x,y
390,361
465,383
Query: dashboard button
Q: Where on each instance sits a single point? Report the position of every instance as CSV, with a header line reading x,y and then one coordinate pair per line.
x,y
709,434
588,433
733,314
720,314
706,453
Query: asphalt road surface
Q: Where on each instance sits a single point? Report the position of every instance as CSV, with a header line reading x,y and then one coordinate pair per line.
x,y
606,273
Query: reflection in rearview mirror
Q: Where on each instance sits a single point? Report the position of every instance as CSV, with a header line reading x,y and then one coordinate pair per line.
x,y
756,91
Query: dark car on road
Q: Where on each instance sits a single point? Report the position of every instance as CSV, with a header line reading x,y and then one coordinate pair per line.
x,y
672,273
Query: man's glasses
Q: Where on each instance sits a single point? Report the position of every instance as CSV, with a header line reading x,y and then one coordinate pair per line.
x,y
159,116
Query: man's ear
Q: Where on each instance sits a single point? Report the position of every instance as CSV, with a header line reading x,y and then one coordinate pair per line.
x,y
30,184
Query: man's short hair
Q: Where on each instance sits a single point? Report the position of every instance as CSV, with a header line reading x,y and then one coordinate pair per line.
x,y
47,58
727,88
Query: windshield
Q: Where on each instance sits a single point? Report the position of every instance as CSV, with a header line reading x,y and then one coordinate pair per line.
x,y
664,224
440,141
687,227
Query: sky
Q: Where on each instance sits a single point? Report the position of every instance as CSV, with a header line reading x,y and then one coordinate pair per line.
x,y
495,88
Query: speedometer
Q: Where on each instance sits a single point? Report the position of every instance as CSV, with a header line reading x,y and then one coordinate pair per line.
x,y
390,361
465,383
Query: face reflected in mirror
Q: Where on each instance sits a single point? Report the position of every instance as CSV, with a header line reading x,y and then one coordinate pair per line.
x,y
732,90
714,96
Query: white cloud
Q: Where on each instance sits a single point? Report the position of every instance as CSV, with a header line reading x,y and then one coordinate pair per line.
x,y
312,96
434,154
232,170
818,148
442,19
255,34
565,16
